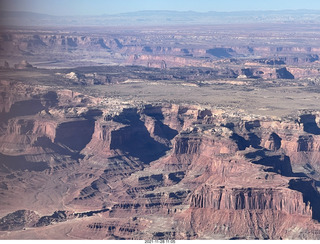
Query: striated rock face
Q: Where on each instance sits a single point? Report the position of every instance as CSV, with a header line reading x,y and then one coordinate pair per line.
x,y
153,170
284,200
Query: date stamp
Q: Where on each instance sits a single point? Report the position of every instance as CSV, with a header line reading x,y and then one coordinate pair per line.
x,y
159,241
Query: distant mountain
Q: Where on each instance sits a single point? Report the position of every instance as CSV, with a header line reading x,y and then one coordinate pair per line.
x,y
147,18
20,18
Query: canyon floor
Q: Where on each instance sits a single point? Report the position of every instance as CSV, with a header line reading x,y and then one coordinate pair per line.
x,y
200,132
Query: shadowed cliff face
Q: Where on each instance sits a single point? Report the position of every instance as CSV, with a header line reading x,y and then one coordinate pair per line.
x,y
22,108
220,52
283,73
311,195
16,163
135,139
275,142
278,163
309,124
75,135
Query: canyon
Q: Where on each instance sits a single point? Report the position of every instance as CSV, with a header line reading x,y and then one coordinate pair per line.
x,y
202,132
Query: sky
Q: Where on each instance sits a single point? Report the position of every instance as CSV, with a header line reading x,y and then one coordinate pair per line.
x,y
98,7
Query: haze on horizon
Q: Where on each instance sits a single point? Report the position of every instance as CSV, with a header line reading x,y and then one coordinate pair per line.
x,y
99,7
